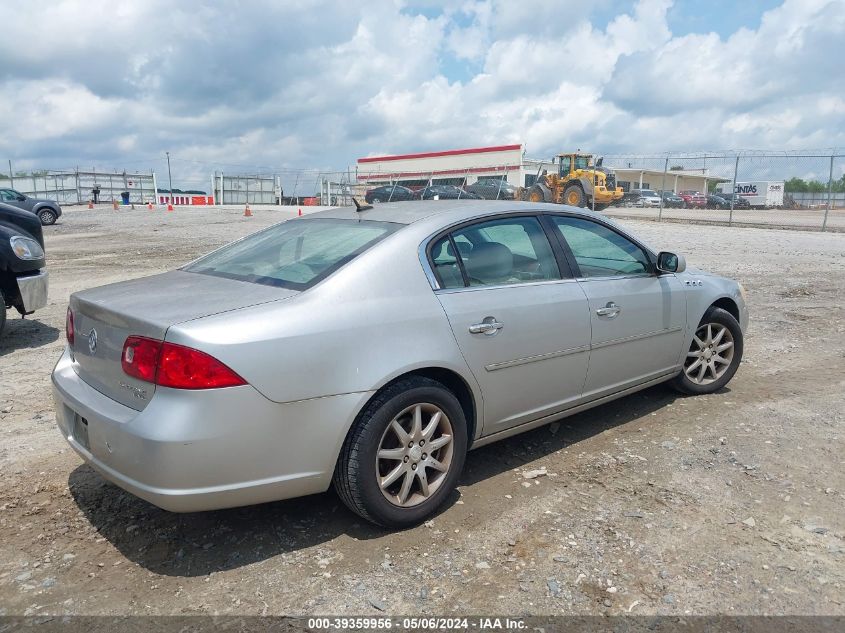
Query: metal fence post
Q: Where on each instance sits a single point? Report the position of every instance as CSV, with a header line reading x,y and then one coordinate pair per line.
x,y
733,197
829,194
663,189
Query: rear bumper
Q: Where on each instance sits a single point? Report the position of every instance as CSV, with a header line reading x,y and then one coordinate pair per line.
x,y
204,450
33,289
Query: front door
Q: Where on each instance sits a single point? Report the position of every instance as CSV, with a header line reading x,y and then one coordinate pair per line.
x,y
637,316
522,326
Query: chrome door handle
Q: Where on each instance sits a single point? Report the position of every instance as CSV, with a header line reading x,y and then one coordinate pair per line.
x,y
611,310
489,326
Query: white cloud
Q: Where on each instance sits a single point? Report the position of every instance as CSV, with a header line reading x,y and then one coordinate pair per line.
x,y
321,83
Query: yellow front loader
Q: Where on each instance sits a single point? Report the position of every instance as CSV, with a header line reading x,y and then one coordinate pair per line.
x,y
578,183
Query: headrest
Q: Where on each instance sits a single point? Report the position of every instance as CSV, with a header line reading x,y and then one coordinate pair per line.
x,y
489,262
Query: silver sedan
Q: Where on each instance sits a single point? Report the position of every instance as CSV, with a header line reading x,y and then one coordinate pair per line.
x,y
370,349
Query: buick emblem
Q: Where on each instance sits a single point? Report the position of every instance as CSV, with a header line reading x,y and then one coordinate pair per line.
x,y
92,341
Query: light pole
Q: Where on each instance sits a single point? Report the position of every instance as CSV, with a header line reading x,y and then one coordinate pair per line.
x,y
170,178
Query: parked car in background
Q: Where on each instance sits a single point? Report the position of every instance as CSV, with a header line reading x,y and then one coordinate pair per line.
x,y
672,200
371,349
646,198
739,201
694,199
23,274
447,192
628,199
48,211
390,193
717,202
493,189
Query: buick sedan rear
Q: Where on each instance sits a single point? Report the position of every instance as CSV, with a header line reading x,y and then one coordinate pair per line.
x,y
370,349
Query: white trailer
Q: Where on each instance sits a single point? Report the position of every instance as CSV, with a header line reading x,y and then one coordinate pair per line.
x,y
762,194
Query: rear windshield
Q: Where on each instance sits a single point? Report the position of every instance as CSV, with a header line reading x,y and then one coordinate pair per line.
x,y
295,254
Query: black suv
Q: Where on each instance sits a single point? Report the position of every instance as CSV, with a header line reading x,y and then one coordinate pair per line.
x,y
23,278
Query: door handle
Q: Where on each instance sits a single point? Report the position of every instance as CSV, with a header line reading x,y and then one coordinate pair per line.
x,y
611,310
489,326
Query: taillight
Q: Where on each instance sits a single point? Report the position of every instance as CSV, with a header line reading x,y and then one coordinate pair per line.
x,y
69,326
140,357
175,366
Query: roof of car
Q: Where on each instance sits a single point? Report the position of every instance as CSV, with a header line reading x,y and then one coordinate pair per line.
x,y
416,210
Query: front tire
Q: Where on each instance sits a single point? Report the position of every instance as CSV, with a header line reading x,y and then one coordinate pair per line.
x,y
47,217
404,454
714,354
573,195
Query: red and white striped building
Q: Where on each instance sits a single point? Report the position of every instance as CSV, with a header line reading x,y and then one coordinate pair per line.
x,y
454,166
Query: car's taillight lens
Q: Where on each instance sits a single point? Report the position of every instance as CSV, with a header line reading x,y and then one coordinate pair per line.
x,y
175,366
69,326
140,357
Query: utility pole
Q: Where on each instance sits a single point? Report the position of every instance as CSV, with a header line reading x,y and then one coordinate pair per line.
x,y
170,178
11,177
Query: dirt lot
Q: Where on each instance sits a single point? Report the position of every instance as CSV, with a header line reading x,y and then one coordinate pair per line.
x,y
731,503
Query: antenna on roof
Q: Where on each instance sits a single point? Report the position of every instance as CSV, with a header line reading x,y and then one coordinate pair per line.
x,y
361,207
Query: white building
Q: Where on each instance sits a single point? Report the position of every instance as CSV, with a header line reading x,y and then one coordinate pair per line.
x,y
466,166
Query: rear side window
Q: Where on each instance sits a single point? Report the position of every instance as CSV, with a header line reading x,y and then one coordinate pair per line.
x,y
295,254
493,253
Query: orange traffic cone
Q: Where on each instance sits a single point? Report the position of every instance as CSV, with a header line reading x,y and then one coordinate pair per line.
x,y
150,206
90,205
300,212
114,204
170,206
247,212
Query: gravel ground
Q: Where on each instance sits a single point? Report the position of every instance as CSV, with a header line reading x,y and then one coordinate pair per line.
x,y
653,504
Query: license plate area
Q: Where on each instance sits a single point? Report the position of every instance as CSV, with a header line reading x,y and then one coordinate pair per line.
x,y
79,431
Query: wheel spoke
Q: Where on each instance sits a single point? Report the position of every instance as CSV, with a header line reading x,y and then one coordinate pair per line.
x,y
701,371
392,453
719,336
423,477
692,367
406,486
416,426
694,354
432,426
721,359
726,345
439,442
436,464
392,476
698,341
403,436
709,333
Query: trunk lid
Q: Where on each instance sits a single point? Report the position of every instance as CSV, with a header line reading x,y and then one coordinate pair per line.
x,y
148,307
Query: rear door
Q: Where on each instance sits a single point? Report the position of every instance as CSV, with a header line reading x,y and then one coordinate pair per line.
x,y
637,317
518,316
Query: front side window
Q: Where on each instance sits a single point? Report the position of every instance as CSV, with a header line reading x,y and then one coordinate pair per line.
x,y
494,253
295,254
599,251
8,194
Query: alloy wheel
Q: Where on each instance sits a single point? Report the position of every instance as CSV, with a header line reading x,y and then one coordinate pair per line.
x,y
710,354
414,455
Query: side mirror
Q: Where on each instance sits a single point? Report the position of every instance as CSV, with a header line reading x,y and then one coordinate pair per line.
x,y
21,198
670,262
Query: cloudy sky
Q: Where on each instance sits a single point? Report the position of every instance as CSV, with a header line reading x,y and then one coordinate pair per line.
x,y
263,85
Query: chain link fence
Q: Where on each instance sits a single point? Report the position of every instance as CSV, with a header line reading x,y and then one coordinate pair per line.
x,y
785,189
799,190
80,187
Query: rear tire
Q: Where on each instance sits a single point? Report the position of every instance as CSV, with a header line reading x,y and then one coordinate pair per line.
x,y
714,354
574,196
387,471
47,217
